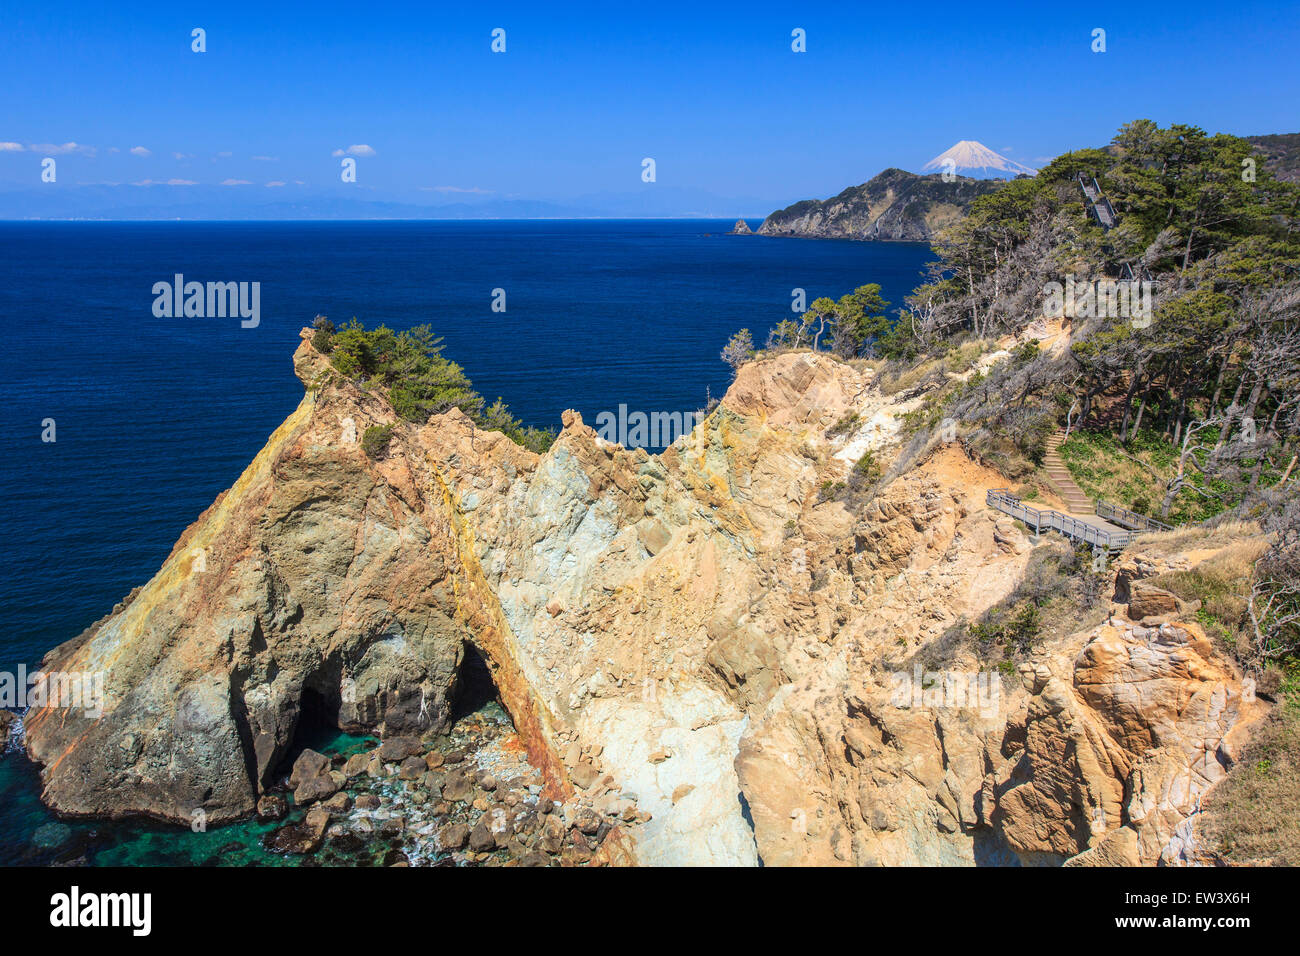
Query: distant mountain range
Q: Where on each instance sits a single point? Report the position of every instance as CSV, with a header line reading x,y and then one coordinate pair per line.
x,y
161,201
896,204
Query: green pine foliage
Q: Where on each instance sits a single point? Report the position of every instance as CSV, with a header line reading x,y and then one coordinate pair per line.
x,y
420,380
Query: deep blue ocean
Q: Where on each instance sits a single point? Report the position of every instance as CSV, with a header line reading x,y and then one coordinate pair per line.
x,y
155,416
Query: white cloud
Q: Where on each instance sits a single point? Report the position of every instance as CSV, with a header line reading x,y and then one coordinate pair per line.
x,y
169,182
456,189
235,182
182,155
58,149
275,182
140,151
225,154
357,149
11,147
266,159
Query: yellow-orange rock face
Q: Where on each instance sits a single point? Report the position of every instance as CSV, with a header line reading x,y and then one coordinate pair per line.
x,y
705,628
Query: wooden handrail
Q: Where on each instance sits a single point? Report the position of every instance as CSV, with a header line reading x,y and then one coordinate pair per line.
x,y
1129,519
1048,519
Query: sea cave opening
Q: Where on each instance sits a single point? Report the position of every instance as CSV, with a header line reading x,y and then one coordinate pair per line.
x,y
317,726
474,687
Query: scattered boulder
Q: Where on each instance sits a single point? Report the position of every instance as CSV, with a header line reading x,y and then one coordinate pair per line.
x,y
1146,600
576,855
552,836
303,837
319,787
584,774
312,779
587,820
453,837
308,765
356,765
457,788
271,806
481,839
339,803
498,821
396,749
346,841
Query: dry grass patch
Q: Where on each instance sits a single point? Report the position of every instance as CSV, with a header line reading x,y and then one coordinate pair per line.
x,y
1199,537
896,378
1253,816
1221,583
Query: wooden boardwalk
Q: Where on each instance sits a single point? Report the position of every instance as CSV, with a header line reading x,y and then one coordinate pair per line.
x,y
1086,529
1098,523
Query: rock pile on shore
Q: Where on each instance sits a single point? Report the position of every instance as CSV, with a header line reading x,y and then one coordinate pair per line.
x,y
470,798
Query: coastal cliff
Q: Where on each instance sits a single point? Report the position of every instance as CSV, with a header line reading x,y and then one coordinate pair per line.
x,y
706,629
894,205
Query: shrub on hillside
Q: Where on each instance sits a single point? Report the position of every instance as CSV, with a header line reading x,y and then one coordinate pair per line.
x,y
322,339
375,441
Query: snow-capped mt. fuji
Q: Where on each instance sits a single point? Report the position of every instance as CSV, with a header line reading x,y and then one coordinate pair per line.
x,y
970,158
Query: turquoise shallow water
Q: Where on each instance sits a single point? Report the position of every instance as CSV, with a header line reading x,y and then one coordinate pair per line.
x,y
32,835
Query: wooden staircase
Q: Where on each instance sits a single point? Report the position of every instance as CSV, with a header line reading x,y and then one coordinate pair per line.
x,y
1076,502
1107,218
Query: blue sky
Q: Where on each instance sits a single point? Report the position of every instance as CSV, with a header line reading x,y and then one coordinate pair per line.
x,y
713,93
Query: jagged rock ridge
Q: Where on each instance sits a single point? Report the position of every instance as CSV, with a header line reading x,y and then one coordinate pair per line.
x,y
699,628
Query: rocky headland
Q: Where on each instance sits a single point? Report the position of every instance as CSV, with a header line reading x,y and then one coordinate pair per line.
x,y
699,651
894,205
